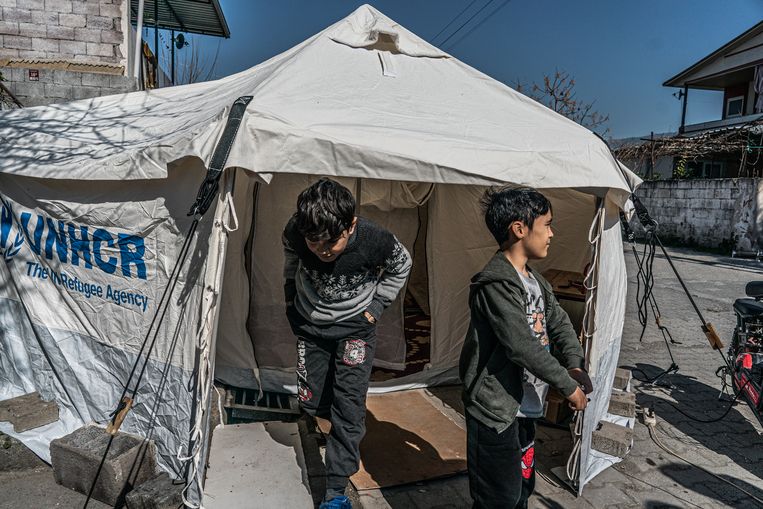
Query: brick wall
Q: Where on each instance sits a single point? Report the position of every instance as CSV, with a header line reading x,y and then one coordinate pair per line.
x,y
59,38
714,213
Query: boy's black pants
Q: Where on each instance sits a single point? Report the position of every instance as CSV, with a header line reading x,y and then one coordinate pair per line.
x,y
333,370
501,465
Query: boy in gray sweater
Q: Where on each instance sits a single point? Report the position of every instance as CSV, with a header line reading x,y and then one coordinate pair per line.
x,y
341,272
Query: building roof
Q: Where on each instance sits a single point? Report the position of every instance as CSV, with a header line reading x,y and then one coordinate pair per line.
x,y
712,72
192,16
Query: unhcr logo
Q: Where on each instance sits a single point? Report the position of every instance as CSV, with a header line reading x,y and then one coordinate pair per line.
x,y
6,229
70,243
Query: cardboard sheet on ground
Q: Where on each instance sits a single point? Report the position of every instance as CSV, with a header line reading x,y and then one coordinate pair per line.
x,y
408,439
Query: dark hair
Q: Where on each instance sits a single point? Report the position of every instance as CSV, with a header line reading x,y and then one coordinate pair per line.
x,y
505,205
324,210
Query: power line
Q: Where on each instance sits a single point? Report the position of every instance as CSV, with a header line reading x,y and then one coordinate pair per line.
x,y
466,23
451,21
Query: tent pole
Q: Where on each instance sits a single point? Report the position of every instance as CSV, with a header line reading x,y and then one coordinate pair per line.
x,y
138,40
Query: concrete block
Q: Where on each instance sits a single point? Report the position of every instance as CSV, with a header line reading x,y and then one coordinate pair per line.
x,y
161,492
101,50
100,22
87,34
623,404
7,3
28,412
32,30
43,44
75,459
73,48
88,7
95,79
20,15
622,379
17,42
58,91
86,92
33,5
110,11
62,6
612,439
9,28
72,20
112,36
45,18
8,53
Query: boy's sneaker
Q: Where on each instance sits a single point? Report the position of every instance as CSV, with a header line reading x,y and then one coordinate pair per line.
x,y
337,503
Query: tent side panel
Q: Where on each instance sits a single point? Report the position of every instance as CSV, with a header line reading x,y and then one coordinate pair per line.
x,y
605,346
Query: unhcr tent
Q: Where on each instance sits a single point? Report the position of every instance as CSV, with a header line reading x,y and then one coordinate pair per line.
x,y
95,196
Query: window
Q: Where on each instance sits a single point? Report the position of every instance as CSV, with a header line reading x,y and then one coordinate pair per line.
x,y
734,106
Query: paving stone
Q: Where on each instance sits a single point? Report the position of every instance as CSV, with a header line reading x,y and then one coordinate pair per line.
x,y
28,412
161,492
623,403
75,458
612,439
622,379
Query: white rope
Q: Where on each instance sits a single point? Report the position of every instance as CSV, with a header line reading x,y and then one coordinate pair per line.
x,y
205,376
594,236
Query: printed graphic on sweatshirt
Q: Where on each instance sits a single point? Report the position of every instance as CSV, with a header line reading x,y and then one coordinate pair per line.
x,y
536,317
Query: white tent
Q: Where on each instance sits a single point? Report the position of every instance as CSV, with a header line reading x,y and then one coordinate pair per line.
x,y
95,195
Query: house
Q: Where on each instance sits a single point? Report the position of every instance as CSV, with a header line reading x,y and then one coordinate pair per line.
x,y
729,146
54,51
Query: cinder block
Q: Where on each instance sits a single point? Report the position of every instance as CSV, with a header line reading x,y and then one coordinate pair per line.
x,y
34,5
63,6
101,50
87,34
623,404
17,42
32,30
20,15
72,20
9,27
75,458
622,379
85,8
45,18
161,492
612,439
95,79
112,36
73,48
110,11
100,22
41,44
28,412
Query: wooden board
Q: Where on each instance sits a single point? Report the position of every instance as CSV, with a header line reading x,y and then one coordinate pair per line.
x,y
408,439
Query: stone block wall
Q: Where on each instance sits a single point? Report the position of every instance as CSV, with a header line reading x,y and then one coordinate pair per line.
x,y
79,48
724,214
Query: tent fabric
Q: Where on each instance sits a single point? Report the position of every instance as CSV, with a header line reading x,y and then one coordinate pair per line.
x,y
439,120
98,191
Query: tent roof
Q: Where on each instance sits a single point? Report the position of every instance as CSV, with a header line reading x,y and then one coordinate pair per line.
x,y
192,16
364,98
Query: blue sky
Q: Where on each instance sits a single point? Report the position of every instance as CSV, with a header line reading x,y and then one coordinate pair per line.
x,y
619,52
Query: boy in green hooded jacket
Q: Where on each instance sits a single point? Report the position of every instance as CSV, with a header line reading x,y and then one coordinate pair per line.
x,y
507,362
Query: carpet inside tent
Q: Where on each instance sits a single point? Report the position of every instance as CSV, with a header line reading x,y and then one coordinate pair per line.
x,y
411,436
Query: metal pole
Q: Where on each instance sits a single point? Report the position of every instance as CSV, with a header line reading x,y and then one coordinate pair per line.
x,y
138,40
683,109
172,56
156,43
